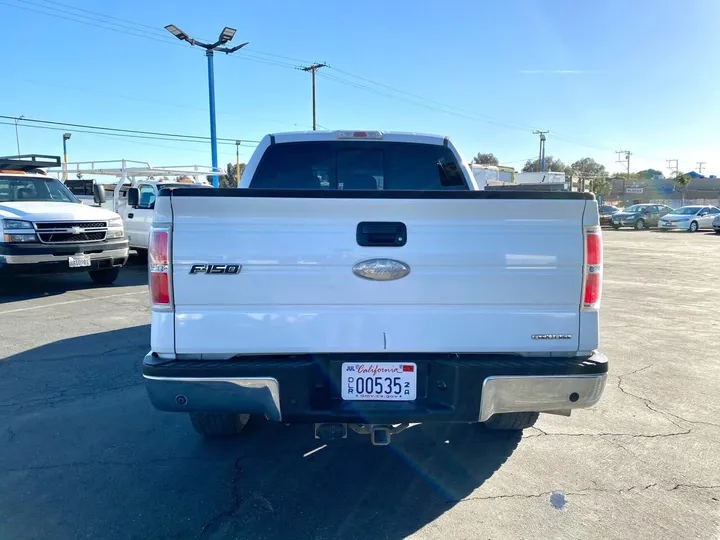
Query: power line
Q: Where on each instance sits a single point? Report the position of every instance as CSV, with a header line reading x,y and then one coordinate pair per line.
x,y
123,135
122,30
198,138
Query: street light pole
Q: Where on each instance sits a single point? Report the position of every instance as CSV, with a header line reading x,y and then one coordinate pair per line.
x,y
66,138
237,163
225,36
213,126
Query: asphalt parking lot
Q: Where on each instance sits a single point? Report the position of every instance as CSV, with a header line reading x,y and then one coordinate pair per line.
x,y
84,455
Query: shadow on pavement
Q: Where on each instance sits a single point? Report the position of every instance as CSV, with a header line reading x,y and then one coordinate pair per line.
x,y
352,490
85,455
18,288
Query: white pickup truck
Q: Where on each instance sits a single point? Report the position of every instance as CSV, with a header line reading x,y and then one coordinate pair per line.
x,y
361,280
45,229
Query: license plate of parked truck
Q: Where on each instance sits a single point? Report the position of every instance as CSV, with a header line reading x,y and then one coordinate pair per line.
x,y
377,287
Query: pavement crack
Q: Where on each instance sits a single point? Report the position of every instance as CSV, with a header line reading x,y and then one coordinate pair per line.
x,y
11,434
608,434
653,407
586,491
235,503
694,486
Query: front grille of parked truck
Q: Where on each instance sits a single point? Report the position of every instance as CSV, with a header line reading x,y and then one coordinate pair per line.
x,y
66,232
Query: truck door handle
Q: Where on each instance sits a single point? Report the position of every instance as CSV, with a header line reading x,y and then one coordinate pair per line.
x,y
130,215
381,233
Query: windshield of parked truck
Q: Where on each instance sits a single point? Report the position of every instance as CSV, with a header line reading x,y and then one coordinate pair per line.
x,y
24,188
352,165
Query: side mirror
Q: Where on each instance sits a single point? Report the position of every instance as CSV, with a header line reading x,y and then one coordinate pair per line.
x,y
99,194
703,214
133,197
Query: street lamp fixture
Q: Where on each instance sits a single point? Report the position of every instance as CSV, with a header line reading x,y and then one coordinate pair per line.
x,y
175,31
226,36
66,136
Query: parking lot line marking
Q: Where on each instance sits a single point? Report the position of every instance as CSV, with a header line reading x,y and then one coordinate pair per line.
x,y
70,302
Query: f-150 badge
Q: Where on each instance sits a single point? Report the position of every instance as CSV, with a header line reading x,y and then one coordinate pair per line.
x,y
381,269
215,268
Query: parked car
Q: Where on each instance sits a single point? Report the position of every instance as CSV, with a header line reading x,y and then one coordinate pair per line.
x,y
690,218
640,216
329,306
716,224
606,212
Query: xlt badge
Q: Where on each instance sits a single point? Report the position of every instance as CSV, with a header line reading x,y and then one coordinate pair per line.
x,y
551,336
215,268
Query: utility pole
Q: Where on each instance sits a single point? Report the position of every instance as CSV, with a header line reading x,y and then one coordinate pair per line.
x,y
626,161
541,157
700,166
312,69
673,168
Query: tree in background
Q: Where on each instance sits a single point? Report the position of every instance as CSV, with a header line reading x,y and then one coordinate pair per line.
x,y
649,173
485,159
587,169
681,180
233,176
551,164
183,177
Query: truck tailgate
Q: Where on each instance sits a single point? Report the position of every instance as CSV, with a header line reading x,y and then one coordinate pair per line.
x,y
486,275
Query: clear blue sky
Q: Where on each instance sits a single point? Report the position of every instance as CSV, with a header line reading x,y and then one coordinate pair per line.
x,y
601,76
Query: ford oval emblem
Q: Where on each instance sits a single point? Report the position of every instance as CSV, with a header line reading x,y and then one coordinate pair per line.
x,y
381,269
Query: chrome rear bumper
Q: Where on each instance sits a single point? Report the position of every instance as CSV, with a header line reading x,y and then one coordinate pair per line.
x,y
540,393
306,389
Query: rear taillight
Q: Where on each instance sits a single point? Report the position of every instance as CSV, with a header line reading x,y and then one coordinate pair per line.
x,y
158,264
592,278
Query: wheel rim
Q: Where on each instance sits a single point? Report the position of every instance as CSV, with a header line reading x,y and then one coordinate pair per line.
x,y
693,227
640,225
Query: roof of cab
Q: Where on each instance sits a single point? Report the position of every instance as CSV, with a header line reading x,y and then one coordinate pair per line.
x,y
375,135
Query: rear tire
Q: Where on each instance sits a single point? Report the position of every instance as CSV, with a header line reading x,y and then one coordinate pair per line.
x,y
717,231
639,224
694,227
218,424
105,277
512,421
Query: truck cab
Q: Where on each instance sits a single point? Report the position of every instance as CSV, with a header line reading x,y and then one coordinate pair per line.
x,y
46,229
137,204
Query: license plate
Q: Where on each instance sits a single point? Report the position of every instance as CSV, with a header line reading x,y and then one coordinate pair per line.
x,y
367,381
79,261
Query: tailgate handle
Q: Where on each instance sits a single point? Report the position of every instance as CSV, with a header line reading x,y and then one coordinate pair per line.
x,y
381,233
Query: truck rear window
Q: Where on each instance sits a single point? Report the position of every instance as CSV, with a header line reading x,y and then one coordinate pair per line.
x,y
352,165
